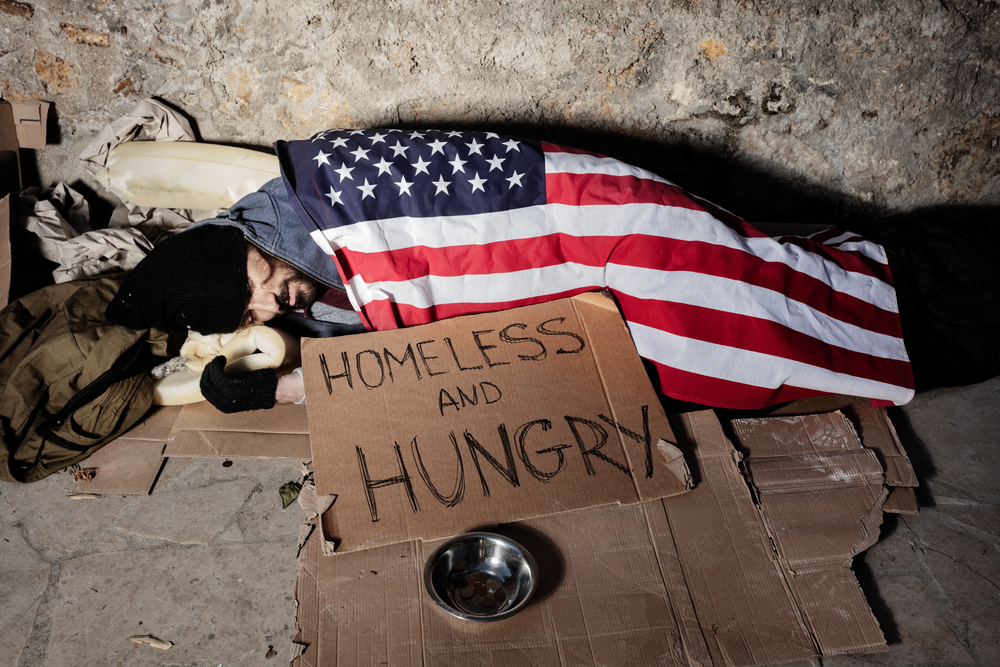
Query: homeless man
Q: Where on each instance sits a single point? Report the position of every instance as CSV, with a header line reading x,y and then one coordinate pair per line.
x,y
417,226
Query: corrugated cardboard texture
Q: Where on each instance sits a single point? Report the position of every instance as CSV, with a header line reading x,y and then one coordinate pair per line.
x,y
692,579
281,432
877,433
4,249
819,490
125,467
30,119
157,424
10,159
426,431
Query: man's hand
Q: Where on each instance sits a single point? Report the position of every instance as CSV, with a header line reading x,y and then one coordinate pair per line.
x,y
290,389
238,393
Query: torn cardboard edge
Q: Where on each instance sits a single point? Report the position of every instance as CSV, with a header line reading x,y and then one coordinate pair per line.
x,y
677,581
873,426
493,417
799,467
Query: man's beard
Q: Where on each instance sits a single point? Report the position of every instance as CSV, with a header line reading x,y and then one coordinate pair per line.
x,y
307,291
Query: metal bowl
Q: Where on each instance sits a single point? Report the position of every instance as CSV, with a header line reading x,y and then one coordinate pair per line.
x,y
481,577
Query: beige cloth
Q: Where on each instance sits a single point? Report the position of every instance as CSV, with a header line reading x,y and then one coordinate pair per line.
x,y
59,218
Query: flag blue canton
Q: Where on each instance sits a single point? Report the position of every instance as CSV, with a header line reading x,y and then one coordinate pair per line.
x,y
359,175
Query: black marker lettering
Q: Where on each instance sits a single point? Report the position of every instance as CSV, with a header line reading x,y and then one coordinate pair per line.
x,y
424,357
453,353
483,348
644,438
507,338
466,399
381,369
408,355
450,403
328,377
509,473
522,433
602,439
541,329
372,484
459,492
499,394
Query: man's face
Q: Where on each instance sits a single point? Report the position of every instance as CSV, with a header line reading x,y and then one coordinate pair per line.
x,y
275,287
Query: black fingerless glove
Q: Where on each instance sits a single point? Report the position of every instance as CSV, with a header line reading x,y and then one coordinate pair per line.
x,y
238,393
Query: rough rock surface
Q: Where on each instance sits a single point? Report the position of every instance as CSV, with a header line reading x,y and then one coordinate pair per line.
x,y
803,110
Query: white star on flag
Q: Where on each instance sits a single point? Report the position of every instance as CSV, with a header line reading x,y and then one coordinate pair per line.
x,y
378,138
368,189
512,145
403,186
515,179
496,162
474,147
441,185
321,158
456,165
345,172
383,167
420,166
437,146
339,142
398,149
477,183
492,135
360,154
416,135
334,196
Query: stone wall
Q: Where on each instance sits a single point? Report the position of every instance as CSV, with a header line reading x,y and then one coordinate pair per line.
x,y
795,110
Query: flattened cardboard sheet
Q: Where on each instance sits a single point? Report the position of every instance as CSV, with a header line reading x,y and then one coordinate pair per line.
x,y
820,491
125,467
425,431
873,427
5,257
10,158
692,579
201,430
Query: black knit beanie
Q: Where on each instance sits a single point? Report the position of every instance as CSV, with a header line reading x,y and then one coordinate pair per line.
x,y
195,280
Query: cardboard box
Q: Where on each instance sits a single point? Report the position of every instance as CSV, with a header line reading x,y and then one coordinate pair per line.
x,y
708,577
30,120
428,431
10,182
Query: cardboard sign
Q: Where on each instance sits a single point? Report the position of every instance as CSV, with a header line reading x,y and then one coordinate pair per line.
x,y
429,431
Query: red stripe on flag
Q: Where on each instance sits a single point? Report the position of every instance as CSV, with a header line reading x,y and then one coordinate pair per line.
x,y
606,190
386,314
706,390
762,336
654,253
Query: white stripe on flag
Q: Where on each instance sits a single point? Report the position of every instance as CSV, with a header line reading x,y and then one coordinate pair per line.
x,y
867,248
576,163
721,294
753,368
582,221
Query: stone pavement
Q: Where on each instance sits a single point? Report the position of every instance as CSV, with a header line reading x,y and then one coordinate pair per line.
x,y
208,560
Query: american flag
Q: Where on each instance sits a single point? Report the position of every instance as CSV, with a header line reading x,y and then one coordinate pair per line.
x,y
426,225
